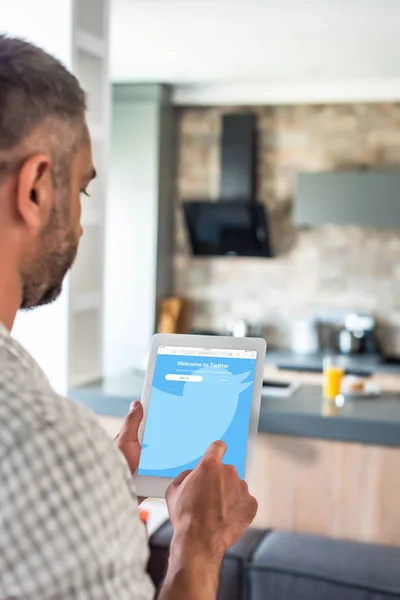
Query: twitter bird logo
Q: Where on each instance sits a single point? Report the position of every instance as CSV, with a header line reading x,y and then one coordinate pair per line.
x,y
179,429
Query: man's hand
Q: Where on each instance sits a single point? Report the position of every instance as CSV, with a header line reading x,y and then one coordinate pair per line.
x,y
127,439
211,507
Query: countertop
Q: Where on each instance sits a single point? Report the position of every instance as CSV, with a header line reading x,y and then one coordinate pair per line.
x,y
373,421
362,363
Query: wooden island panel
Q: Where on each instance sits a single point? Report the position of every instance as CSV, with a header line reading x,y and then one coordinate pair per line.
x,y
337,489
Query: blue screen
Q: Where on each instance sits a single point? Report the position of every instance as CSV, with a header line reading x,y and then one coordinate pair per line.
x,y
196,400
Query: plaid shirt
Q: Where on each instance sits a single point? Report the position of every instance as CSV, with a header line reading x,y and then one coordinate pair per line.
x,y
69,525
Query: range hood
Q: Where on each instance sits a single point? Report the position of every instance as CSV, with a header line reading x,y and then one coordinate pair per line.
x,y
235,224
360,198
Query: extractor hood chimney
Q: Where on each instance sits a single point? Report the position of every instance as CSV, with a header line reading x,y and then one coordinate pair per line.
x,y
238,158
235,225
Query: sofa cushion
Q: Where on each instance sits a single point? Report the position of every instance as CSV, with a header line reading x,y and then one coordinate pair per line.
x,y
291,566
233,576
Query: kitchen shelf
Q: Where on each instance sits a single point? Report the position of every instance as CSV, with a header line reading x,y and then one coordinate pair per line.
x,y
86,290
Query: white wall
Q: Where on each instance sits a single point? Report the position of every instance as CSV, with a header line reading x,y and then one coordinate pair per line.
x,y
43,22
131,228
44,332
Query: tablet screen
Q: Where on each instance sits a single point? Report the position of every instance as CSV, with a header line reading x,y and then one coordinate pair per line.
x,y
198,396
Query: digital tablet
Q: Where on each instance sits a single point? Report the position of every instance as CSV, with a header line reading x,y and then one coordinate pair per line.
x,y
198,389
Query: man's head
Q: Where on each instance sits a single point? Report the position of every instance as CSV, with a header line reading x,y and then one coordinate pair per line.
x,y
45,165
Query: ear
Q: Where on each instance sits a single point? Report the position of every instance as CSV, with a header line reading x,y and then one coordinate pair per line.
x,y
35,192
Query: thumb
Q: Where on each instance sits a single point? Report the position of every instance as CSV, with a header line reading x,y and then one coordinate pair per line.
x,y
216,450
130,428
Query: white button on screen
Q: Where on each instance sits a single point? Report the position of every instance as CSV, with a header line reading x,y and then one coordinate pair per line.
x,y
189,378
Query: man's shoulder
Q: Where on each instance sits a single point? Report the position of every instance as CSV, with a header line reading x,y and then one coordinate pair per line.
x,y
28,403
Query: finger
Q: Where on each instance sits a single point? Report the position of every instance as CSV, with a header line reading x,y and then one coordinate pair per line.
x,y
232,470
216,450
253,507
181,478
173,487
130,428
245,486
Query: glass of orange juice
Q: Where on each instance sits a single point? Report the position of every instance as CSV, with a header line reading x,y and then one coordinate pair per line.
x,y
333,375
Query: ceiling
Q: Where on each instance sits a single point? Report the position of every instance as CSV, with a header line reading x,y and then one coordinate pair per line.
x,y
195,44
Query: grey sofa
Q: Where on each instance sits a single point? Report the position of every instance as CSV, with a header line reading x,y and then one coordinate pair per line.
x,y
273,565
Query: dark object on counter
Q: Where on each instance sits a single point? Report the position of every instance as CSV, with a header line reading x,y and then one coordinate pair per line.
x,y
281,565
369,343
355,334
349,342
235,225
204,332
284,385
359,335
327,336
391,360
240,328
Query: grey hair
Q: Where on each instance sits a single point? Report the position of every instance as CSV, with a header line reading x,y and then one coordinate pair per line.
x,y
35,89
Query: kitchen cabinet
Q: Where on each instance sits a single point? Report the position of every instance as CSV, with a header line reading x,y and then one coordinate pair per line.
x,y
365,199
86,305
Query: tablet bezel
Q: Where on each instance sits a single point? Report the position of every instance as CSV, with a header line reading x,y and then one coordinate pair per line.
x,y
155,487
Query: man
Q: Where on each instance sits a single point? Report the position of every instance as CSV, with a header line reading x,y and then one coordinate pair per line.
x,y
69,524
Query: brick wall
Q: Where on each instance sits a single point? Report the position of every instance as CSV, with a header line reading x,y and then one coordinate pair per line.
x,y
329,267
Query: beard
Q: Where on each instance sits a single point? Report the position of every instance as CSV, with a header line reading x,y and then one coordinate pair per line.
x,y
58,246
